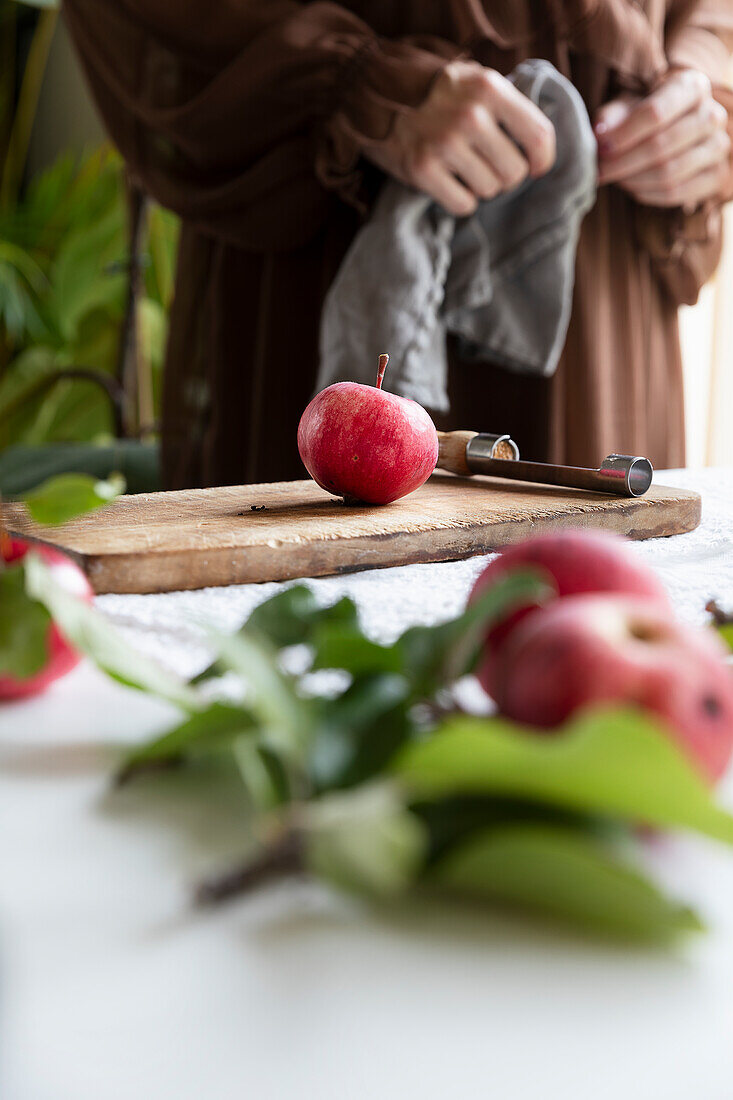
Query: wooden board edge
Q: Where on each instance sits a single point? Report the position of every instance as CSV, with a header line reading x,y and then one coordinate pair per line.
x,y
78,557
173,570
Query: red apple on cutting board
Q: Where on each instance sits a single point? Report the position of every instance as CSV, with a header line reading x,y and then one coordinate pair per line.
x,y
611,649
61,657
365,444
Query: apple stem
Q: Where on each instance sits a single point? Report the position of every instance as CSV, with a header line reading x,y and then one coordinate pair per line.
x,y
381,368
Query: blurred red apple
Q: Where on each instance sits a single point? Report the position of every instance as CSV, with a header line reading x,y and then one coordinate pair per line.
x,y
575,562
61,657
605,649
364,444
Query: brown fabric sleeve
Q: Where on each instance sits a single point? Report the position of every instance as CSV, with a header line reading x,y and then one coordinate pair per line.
x,y
386,79
699,35
219,109
619,34
685,248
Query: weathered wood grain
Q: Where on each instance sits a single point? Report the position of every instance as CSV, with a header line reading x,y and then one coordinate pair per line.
x,y
198,537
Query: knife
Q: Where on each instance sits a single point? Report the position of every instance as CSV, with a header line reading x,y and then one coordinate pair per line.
x,y
468,453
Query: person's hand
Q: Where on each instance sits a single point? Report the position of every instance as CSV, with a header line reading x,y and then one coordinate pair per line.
x,y
670,148
473,137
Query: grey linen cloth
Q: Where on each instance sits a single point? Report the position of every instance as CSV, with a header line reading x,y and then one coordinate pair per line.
x,y
500,280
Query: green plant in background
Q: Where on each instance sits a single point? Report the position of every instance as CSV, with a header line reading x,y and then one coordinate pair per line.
x,y
68,317
63,286
17,112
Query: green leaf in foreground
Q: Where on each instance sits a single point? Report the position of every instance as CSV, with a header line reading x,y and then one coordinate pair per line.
x,y
608,762
24,625
565,874
66,496
451,821
91,634
365,841
213,728
726,633
271,698
435,656
290,617
358,732
335,646
431,656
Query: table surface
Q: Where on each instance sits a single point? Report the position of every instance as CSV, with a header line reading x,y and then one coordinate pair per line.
x,y
112,989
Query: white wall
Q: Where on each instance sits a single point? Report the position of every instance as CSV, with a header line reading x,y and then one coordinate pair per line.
x,y
707,348
696,332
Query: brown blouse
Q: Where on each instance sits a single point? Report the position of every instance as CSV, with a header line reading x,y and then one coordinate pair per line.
x,y
249,118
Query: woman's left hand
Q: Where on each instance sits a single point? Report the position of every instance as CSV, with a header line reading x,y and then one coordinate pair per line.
x,y
670,148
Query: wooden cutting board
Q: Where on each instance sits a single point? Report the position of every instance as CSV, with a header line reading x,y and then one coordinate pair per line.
x,y
161,542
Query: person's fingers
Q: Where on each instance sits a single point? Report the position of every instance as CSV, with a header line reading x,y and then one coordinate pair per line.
x,y
674,98
713,151
474,170
433,176
474,125
523,120
689,194
613,113
498,150
687,132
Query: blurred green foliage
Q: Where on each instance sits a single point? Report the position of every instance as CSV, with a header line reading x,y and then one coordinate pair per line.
x,y
64,267
63,283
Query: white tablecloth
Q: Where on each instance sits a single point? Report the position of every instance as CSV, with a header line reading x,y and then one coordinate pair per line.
x,y
111,989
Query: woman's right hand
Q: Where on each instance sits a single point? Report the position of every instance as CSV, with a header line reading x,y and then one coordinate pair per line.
x,y
474,136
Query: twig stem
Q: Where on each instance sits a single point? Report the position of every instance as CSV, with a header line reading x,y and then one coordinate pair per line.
x,y
279,860
721,617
